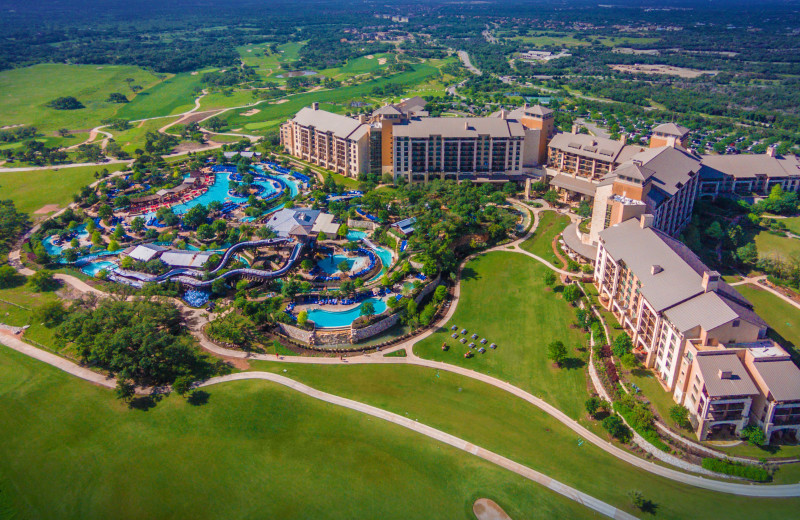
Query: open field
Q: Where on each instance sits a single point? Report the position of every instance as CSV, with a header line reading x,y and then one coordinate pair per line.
x,y
663,69
174,95
775,245
25,92
253,450
134,137
337,100
792,224
31,190
522,320
551,224
498,421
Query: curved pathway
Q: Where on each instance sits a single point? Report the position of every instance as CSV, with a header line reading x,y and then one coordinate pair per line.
x,y
756,282
792,490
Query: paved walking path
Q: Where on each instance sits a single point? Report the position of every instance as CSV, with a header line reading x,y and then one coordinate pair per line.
x,y
531,474
755,282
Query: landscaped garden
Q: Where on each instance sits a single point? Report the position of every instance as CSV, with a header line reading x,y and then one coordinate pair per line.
x,y
551,224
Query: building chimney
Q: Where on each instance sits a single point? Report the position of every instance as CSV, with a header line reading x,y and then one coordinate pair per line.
x,y
526,106
362,118
623,138
725,374
772,150
646,221
503,113
315,106
655,269
575,128
710,281
466,125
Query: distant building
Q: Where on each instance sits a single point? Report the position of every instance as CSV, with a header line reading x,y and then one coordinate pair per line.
x,y
190,259
302,223
748,174
669,134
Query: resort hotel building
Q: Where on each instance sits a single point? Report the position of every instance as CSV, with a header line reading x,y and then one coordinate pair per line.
x,y
703,339
401,140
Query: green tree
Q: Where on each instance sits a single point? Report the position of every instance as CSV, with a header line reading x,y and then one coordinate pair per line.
x,y
715,231
43,280
137,225
549,278
747,254
125,390
183,385
572,293
302,318
343,266
622,345
754,435
8,276
593,405
367,308
637,499
557,352
679,415
551,196
51,313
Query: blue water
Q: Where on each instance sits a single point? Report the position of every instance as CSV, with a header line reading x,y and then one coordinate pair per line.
x,y
385,255
54,250
95,267
326,319
219,192
293,185
329,265
355,236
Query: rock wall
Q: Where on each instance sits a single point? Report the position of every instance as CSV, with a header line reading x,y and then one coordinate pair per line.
x,y
306,336
361,224
357,335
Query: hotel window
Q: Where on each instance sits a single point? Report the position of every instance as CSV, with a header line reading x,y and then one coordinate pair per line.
x,y
735,323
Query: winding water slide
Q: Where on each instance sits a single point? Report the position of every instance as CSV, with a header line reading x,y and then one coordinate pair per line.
x,y
191,277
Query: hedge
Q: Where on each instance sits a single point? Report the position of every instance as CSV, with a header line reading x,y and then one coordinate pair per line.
x,y
747,471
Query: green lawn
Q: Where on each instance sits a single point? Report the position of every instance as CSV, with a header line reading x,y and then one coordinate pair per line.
x,y
134,137
783,319
551,224
172,96
254,450
496,420
16,317
31,190
792,224
24,93
522,319
774,245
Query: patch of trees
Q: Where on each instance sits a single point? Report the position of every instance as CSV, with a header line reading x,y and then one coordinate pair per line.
x,y
328,50
12,224
65,103
35,152
388,89
229,77
20,133
117,97
142,343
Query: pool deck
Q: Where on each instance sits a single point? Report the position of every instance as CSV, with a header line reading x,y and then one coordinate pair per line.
x,y
332,308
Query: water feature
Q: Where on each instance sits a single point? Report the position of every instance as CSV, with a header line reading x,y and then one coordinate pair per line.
x,y
331,264
95,267
55,250
354,235
328,319
297,73
219,192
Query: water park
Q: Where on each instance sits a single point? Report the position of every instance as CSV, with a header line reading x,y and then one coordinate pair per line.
x,y
220,229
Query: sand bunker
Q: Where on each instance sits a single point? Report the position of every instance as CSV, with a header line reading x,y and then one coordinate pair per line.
x,y
280,101
486,509
381,61
251,112
370,57
49,208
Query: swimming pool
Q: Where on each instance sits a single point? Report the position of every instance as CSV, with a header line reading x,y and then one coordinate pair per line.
x,y
95,267
330,264
293,185
219,192
354,235
54,250
328,319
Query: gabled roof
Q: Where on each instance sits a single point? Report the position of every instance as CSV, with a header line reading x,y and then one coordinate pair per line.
x,y
388,110
186,258
635,171
671,129
286,221
145,252
587,146
576,184
782,378
673,167
713,365
324,121
747,166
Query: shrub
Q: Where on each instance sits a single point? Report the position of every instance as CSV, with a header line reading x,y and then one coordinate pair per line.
x,y
557,352
593,404
614,426
756,473
680,415
611,371
622,345
629,360
754,435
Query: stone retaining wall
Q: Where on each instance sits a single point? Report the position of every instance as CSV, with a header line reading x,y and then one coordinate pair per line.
x,y
306,336
361,224
383,325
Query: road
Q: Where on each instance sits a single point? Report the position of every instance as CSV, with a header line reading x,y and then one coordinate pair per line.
x,y
464,57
